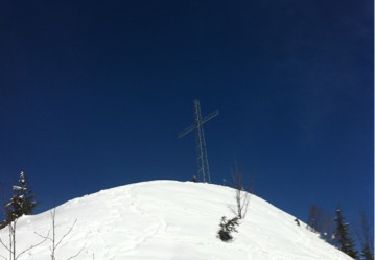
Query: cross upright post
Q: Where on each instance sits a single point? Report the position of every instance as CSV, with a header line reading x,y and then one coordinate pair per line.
x,y
203,168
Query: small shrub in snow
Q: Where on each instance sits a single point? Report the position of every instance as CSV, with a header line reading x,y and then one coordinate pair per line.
x,y
226,228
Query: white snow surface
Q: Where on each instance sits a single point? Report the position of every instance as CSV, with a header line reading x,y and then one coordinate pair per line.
x,y
168,220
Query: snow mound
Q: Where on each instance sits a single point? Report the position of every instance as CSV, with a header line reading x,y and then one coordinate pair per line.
x,y
168,220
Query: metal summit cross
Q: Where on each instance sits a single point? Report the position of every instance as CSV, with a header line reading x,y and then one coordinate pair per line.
x,y
203,169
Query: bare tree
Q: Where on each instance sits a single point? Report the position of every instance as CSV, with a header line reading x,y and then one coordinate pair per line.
x,y
55,243
241,195
319,221
313,219
11,247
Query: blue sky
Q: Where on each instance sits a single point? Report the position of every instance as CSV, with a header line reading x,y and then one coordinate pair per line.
x,y
93,95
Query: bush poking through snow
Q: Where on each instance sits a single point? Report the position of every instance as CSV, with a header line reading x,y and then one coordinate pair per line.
x,y
227,227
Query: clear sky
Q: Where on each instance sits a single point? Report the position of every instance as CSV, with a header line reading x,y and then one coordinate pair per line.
x,y
93,95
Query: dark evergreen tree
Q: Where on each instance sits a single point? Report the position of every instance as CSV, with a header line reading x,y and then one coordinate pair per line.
x,y
342,235
366,239
227,227
366,253
22,202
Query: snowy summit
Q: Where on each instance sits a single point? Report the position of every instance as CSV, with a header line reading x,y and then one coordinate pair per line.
x,y
166,220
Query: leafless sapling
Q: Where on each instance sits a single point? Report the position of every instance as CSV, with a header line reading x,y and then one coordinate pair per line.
x,y
11,246
241,195
54,242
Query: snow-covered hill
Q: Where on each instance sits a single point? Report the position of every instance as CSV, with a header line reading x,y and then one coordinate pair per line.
x,y
168,220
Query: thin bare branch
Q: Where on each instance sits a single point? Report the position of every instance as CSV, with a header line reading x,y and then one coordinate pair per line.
x,y
77,254
244,202
4,245
54,245
44,237
66,234
31,247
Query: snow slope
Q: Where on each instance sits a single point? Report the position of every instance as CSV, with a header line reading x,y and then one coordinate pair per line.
x,y
169,220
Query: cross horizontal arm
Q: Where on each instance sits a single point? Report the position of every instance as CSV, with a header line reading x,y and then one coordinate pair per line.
x,y
210,116
186,131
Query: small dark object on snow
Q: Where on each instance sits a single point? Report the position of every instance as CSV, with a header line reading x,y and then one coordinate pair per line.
x,y
298,223
226,228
